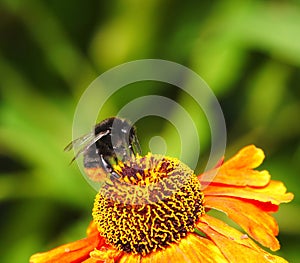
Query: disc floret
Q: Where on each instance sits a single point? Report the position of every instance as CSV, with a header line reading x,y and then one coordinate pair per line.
x,y
155,202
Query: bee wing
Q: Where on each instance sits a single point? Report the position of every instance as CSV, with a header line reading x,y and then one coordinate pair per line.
x,y
79,141
136,147
87,141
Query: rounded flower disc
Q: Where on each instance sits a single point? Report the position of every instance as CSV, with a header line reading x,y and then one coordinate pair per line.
x,y
155,202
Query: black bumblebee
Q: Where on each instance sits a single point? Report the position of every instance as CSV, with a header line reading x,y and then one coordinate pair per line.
x,y
112,140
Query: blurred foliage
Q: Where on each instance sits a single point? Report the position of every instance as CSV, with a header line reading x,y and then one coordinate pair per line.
x,y
247,51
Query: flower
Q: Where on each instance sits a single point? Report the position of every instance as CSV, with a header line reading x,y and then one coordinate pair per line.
x,y
158,211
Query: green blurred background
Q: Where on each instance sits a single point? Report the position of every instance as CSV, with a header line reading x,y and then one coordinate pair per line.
x,y
247,51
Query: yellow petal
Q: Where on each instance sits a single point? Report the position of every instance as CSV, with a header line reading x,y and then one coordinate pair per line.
x,y
257,223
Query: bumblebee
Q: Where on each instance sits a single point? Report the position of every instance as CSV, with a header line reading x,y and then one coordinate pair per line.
x,y
112,140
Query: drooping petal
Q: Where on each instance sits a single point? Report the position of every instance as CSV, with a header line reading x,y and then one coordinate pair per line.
x,y
226,230
74,252
200,249
93,260
257,223
264,206
92,229
274,192
191,249
107,254
130,258
78,251
235,246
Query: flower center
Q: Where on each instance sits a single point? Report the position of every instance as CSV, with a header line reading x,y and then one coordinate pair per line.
x,y
155,202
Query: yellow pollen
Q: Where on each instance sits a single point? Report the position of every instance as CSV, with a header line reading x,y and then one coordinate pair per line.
x,y
155,202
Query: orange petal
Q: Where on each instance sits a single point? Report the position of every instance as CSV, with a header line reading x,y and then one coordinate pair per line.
x,y
264,206
191,249
225,230
257,223
249,157
107,254
240,177
130,258
78,251
238,171
199,249
93,260
274,192
73,252
235,246
92,229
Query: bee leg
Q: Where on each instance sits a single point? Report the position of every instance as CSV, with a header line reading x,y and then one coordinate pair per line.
x,y
114,176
